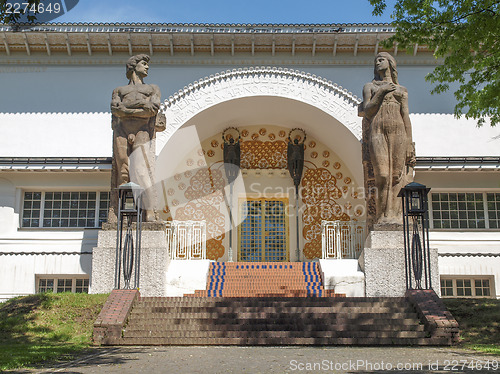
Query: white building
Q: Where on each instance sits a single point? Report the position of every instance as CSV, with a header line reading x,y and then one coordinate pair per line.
x,y
55,153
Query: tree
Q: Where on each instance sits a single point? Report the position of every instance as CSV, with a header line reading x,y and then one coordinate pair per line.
x,y
466,34
9,13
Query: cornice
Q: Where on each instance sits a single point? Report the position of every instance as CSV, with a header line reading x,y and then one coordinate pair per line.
x,y
195,39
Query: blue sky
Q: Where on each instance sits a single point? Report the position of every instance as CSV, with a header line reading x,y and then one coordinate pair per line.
x,y
225,11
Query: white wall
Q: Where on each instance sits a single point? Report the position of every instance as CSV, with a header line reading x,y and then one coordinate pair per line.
x,y
24,253
69,87
472,266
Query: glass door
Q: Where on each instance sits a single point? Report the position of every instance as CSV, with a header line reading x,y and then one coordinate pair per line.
x,y
263,234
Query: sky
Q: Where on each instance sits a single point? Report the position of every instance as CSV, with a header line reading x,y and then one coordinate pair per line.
x,y
225,11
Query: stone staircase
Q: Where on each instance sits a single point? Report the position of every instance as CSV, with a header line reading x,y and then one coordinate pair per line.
x,y
274,321
257,279
272,304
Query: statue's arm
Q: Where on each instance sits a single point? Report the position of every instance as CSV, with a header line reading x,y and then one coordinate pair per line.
x,y
405,114
156,97
140,109
120,110
372,101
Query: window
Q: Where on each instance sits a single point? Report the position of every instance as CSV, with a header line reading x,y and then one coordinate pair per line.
x,y
65,209
463,287
480,286
46,285
82,286
467,210
63,283
446,287
493,202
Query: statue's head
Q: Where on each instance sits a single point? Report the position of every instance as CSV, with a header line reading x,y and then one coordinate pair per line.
x,y
392,67
133,61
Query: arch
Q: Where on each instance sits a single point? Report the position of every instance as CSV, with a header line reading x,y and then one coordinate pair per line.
x,y
260,81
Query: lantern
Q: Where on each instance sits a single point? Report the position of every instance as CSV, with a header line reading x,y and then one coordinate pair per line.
x,y
416,235
128,254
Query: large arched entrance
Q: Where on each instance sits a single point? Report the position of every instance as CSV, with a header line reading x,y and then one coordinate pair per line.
x,y
264,104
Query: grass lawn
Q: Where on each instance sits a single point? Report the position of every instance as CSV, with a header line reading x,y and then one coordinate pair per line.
x,y
46,326
479,321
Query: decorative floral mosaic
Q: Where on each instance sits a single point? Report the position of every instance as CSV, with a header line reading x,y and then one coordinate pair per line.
x,y
328,191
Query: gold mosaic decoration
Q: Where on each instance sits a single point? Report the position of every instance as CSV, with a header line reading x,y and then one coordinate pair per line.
x,y
328,192
205,195
256,154
319,193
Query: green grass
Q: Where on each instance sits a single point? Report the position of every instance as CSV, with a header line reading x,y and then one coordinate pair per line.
x,y
45,327
479,321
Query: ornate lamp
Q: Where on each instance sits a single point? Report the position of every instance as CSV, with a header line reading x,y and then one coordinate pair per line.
x,y
129,211
295,156
232,158
416,235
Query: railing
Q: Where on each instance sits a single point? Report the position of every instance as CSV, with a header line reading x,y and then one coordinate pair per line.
x,y
342,239
187,240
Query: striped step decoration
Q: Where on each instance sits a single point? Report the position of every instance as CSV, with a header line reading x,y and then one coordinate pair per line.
x,y
215,283
312,278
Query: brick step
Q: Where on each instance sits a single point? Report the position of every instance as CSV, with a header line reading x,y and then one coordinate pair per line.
x,y
211,302
218,300
268,310
274,324
278,341
399,325
273,334
324,315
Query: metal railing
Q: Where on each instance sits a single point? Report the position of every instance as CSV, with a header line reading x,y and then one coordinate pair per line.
x,y
342,239
187,240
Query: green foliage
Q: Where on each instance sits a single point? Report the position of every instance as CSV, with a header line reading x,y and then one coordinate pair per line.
x,y
46,326
466,33
14,17
479,321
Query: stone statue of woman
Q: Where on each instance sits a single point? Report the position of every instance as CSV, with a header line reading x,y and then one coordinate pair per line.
x,y
387,138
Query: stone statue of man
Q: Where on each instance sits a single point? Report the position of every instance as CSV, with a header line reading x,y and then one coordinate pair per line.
x,y
387,140
135,121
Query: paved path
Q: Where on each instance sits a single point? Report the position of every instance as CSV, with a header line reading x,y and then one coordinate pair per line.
x,y
254,360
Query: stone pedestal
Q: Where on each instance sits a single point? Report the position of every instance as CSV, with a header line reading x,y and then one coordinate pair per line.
x,y
383,262
153,267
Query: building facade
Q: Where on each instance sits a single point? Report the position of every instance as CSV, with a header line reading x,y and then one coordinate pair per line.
x,y
265,81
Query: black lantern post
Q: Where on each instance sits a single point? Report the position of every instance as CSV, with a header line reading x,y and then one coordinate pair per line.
x,y
416,235
295,156
128,255
232,159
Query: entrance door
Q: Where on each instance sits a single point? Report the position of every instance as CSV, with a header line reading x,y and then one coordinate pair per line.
x,y
263,234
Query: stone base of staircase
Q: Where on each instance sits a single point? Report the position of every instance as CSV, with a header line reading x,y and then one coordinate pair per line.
x,y
273,304
275,321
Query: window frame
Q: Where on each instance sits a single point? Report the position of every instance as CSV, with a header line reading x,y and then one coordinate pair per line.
x,y
483,192
472,279
42,208
56,277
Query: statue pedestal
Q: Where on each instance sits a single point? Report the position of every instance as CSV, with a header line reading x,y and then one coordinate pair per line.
x,y
383,262
153,266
